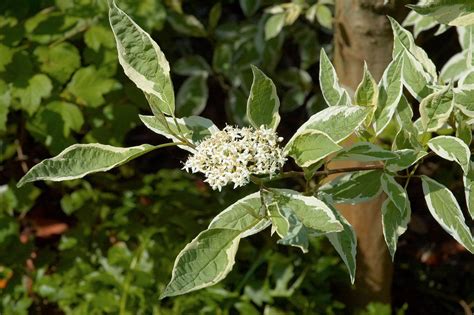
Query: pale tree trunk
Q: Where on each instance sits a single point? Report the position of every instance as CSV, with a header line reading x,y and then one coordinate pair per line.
x,y
362,32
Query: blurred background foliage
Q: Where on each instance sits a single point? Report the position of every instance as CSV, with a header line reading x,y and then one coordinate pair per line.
x,y
106,244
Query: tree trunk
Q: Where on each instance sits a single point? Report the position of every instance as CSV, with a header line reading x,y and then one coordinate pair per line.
x,y
363,33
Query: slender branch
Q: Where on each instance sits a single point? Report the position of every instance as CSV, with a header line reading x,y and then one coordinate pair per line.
x,y
326,172
349,170
170,144
179,136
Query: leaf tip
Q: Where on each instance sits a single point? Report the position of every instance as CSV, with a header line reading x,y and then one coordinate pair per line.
x,y
22,181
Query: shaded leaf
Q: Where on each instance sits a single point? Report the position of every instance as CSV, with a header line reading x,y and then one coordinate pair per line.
x,y
89,86
274,25
354,187
436,108
192,96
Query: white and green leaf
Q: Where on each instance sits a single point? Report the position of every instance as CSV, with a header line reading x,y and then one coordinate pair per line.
x,y
192,96
367,94
142,61
344,242
446,211
205,261
291,231
407,138
451,12
354,187
274,25
394,224
464,100
406,158
194,128
454,68
244,215
263,102
365,152
313,213
390,92
414,78
311,146
468,180
404,41
332,92
463,128
338,122
395,192
79,160
452,149
436,108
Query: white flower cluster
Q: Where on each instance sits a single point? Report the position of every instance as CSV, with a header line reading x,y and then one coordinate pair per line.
x,y
232,154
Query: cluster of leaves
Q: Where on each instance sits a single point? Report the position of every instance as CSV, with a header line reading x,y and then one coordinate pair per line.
x,y
113,259
104,244
443,129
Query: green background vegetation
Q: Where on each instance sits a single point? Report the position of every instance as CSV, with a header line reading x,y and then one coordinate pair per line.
x,y
106,244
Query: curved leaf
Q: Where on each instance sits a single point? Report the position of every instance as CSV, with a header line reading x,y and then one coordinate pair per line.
x,y
445,209
203,262
81,159
311,146
142,61
263,102
452,149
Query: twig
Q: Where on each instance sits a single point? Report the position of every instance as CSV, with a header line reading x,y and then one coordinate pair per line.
x,y
326,172
21,157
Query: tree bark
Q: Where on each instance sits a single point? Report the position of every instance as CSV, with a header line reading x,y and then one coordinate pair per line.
x,y
363,33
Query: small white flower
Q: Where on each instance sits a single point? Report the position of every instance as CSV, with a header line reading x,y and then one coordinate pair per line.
x,y
233,154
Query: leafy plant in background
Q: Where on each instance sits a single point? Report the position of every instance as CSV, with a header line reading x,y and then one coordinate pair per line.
x,y
94,102
231,155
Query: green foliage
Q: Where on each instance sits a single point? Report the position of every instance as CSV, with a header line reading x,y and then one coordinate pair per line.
x,y
111,259
457,12
210,256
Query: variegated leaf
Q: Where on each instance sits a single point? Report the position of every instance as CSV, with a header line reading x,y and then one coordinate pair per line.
x,y
312,212
436,108
338,122
445,209
263,102
311,146
464,100
194,128
468,180
79,160
394,224
142,61
406,158
344,242
452,149
244,215
365,152
354,187
451,12
390,92
332,92
205,261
